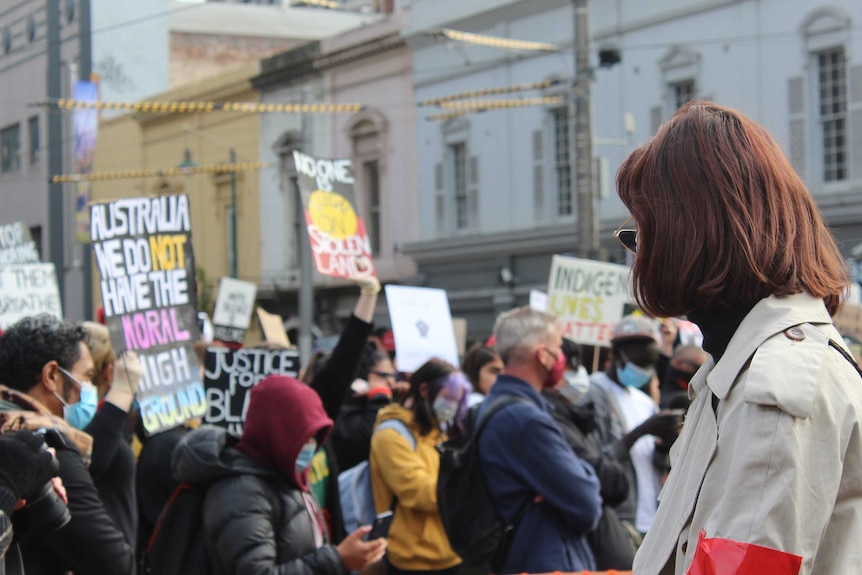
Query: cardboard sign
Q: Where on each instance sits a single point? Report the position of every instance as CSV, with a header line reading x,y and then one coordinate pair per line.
x,y
231,374
272,326
339,242
29,289
422,325
233,310
16,245
588,298
459,325
144,253
848,321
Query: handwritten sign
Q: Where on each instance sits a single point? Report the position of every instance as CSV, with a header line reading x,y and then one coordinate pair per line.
x,y
16,245
144,254
339,242
588,298
29,289
231,374
422,324
233,309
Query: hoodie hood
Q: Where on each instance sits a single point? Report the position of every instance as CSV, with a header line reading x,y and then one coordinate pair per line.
x,y
283,414
207,454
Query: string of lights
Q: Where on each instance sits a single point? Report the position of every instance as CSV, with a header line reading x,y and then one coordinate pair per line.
x,y
179,107
156,173
462,108
495,41
490,92
320,3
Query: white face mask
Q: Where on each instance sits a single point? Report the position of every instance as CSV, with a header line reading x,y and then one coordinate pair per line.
x,y
577,385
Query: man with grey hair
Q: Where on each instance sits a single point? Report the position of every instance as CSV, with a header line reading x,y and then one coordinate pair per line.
x,y
536,482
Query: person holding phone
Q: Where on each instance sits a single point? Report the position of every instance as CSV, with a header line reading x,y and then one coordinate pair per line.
x,y
404,478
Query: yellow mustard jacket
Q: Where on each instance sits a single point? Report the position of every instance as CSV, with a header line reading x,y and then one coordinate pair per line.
x,y
417,540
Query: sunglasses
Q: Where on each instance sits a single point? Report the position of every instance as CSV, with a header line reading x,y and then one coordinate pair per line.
x,y
628,237
386,374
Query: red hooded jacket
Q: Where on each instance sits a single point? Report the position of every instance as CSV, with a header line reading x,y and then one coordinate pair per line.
x,y
283,414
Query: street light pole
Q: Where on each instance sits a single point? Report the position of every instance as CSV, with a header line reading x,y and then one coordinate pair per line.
x,y
588,228
233,242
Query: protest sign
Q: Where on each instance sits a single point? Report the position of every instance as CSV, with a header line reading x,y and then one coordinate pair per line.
x,y
231,374
422,325
538,300
339,242
28,289
848,321
588,298
233,309
16,245
459,325
272,326
144,254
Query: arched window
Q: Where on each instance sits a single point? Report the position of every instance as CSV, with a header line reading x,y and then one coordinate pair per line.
x,y
368,132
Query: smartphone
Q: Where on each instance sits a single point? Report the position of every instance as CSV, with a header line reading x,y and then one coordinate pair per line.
x,y
380,527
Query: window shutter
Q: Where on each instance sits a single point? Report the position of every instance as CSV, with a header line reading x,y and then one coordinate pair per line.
x,y
796,108
856,122
655,115
440,198
473,191
538,175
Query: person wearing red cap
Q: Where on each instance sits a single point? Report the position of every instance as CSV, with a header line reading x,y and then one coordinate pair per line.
x,y
259,513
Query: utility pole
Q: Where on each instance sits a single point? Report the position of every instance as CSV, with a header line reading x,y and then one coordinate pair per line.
x,y
581,106
85,69
233,243
56,207
306,269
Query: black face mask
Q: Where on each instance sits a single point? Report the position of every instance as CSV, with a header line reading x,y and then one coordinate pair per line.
x,y
680,378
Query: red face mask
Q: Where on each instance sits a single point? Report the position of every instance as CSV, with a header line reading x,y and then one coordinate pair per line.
x,y
555,374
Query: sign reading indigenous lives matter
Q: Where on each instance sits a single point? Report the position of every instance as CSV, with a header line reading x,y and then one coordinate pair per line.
x,y
16,245
144,253
233,309
28,289
339,242
588,298
230,375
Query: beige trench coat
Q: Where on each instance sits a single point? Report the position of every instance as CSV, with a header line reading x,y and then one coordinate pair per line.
x,y
778,463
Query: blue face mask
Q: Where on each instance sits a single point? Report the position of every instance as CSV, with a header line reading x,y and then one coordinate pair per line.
x,y
306,454
632,375
79,415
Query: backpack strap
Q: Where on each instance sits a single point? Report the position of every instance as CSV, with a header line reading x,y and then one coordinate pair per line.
x,y
401,428
497,405
846,355
403,431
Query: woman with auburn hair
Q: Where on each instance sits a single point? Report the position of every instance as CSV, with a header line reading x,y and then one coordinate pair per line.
x,y
770,460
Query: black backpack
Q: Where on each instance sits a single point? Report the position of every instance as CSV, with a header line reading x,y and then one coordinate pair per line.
x,y
475,530
178,545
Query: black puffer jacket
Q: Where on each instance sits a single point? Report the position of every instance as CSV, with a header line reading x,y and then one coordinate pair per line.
x,y
255,521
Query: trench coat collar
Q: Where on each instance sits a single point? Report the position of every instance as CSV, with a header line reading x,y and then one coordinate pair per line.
x,y
770,316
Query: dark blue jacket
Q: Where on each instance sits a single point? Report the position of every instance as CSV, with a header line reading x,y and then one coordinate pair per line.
x,y
523,455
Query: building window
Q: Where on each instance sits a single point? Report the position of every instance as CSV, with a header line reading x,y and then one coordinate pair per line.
x,y
372,187
10,149
33,131
832,88
459,179
683,92
562,161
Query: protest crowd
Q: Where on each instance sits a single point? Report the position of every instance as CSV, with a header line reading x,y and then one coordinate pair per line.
x,y
724,437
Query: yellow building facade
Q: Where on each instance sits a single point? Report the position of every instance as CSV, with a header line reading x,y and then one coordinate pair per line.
x,y
167,140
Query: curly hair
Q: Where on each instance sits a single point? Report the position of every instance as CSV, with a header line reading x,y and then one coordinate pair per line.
x,y
32,342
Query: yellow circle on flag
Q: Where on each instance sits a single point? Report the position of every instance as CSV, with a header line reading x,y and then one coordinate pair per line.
x,y
332,214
